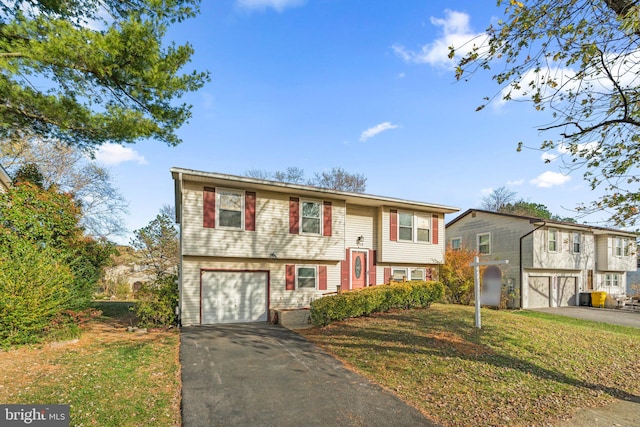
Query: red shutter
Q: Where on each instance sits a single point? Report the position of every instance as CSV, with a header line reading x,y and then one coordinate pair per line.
x,y
250,211
322,277
209,207
344,272
393,225
294,215
372,267
327,219
291,277
434,230
387,274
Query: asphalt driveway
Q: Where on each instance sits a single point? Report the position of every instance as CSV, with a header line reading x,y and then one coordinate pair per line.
x,y
614,317
260,374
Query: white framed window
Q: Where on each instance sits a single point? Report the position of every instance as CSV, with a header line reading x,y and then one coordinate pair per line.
x,y
311,217
306,276
401,273
625,247
618,246
552,240
405,226
577,239
611,279
484,243
456,243
230,209
413,227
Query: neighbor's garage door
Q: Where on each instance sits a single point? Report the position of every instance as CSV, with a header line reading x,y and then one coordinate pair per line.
x,y
566,291
538,292
233,296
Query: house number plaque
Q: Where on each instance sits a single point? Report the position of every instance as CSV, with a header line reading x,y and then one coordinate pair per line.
x,y
358,267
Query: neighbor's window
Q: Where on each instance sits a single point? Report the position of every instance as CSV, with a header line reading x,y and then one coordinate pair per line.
x,y
456,244
306,277
417,274
611,279
553,240
311,217
618,246
230,208
576,242
399,274
423,228
405,226
484,244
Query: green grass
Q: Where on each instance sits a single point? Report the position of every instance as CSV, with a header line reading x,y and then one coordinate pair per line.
x,y
109,377
521,368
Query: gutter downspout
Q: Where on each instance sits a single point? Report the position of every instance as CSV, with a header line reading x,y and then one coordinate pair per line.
x,y
179,202
520,261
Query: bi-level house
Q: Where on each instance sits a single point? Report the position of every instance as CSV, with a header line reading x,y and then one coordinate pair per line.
x,y
251,246
550,262
5,180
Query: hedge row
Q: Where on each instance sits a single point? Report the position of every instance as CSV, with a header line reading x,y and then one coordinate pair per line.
x,y
414,294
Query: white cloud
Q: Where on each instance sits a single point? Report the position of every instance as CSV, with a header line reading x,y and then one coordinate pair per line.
x,y
549,157
486,191
515,183
114,154
456,32
549,179
371,132
278,5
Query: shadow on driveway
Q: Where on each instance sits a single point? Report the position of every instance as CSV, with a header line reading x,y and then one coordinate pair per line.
x,y
259,374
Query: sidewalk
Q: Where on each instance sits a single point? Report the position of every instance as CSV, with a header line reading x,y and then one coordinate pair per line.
x,y
619,414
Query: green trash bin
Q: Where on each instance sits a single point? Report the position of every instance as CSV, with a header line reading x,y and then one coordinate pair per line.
x,y
598,298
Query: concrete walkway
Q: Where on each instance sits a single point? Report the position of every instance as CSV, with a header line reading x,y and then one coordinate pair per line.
x,y
258,374
605,315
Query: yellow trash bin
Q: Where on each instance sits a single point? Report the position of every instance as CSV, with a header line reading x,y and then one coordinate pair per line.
x,y
598,298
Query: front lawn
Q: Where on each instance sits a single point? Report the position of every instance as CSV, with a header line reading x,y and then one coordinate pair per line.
x,y
110,377
522,368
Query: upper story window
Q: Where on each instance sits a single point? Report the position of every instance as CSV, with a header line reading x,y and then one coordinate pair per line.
x,y
484,243
577,238
311,217
618,246
456,243
230,208
414,227
625,247
552,240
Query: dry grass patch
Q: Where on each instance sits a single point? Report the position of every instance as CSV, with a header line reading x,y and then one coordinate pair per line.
x,y
520,369
109,377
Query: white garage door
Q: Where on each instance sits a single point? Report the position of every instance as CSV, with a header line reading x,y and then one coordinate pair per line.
x,y
538,292
234,296
566,291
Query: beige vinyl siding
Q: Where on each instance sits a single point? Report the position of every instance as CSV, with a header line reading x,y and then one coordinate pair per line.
x,y
271,238
608,261
278,296
564,258
361,221
410,252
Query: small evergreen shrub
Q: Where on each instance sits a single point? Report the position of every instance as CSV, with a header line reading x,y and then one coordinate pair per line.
x,y
414,294
157,302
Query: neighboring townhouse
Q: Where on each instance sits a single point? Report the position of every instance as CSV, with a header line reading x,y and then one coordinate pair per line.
x,y
5,180
251,246
550,262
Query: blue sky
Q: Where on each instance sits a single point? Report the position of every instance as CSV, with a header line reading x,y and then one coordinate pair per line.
x,y
364,85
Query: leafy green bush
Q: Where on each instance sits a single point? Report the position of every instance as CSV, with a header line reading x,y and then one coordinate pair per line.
x,y
36,287
157,302
414,294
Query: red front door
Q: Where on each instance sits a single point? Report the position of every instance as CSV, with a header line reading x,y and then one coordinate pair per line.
x,y
358,270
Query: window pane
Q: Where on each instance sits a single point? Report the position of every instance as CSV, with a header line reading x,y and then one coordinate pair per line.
x,y
306,272
417,274
310,225
405,233
405,219
399,274
423,222
423,235
311,209
306,282
230,201
230,218
455,243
